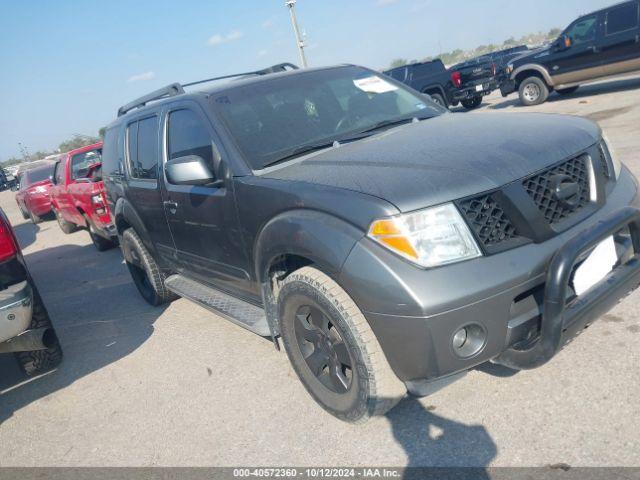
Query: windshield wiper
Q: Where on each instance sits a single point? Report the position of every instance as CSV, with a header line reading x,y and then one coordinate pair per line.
x,y
296,152
393,123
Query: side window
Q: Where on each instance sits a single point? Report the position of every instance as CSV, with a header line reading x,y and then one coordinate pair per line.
x,y
142,148
188,136
110,162
583,31
622,18
81,162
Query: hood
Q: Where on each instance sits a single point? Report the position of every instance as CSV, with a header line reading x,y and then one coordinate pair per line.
x,y
529,56
445,158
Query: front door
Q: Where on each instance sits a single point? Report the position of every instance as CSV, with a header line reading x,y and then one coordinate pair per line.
x,y
581,61
203,220
620,45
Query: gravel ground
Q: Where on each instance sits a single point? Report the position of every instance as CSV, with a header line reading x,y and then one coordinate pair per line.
x,y
178,385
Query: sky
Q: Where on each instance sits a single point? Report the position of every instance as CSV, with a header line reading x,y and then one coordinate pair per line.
x,y
67,65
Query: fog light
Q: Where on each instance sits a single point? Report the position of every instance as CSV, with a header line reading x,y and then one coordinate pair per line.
x,y
468,340
460,338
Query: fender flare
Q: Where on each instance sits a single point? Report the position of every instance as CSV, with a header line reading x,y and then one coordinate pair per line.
x,y
536,67
319,237
125,214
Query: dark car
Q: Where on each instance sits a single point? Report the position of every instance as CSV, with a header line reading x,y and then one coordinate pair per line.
x,y
33,196
595,46
25,327
343,213
464,83
501,59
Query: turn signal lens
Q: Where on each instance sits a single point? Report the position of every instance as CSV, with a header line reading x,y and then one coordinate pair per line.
x,y
431,237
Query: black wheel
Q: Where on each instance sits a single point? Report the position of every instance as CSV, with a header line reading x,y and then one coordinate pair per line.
x,y
66,227
98,240
144,270
333,350
567,91
533,91
41,361
471,103
34,218
439,99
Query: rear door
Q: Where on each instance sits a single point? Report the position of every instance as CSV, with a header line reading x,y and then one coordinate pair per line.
x,y
203,219
142,157
620,45
581,61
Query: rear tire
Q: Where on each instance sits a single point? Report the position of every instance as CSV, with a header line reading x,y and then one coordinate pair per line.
x,y
333,350
567,91
40,361
533,91
66,227
147,276
35,219
98,240
471,103
25,215
439,99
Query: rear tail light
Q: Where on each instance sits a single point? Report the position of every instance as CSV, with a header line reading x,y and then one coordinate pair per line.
x,y
493,69
456,79
8,247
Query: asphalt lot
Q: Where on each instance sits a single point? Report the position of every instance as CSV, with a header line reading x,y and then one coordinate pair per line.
x,y
178,385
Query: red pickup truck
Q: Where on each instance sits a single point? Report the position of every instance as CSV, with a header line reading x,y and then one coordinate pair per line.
x,y
78,195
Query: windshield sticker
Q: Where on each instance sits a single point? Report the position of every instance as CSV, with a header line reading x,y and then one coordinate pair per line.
x,y
374,84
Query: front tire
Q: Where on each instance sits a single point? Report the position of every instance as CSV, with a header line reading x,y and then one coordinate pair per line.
x,y
533,91
333,350
25,214
146,274
35,219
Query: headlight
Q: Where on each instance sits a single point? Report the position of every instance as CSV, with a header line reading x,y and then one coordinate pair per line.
x,y
430,237
611,154
510,68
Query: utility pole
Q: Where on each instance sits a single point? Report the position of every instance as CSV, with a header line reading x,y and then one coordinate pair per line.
x,y
299,41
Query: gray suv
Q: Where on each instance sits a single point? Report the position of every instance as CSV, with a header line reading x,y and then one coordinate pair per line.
x,y
388,244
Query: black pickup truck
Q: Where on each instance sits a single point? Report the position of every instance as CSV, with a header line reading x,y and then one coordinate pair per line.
x,y
465,83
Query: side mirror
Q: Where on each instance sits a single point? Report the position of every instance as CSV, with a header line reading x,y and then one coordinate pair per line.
x,y
562,43
189,170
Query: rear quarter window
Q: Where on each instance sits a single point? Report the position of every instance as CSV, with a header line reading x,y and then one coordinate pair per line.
x,y
622,18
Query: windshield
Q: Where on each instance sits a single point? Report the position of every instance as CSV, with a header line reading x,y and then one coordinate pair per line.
x,y
272,119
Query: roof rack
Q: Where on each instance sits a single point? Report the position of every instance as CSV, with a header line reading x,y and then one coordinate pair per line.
x,y
168,91
178,89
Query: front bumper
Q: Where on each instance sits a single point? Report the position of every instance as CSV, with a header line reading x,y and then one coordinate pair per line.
x,y
40,204
416,312
16,305
479,88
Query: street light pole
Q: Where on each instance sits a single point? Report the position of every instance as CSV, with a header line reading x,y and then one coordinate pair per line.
x,y
299,41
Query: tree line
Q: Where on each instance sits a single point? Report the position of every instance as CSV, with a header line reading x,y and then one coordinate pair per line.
x,y
76,141
459,55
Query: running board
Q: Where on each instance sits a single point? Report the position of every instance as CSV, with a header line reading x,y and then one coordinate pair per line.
x,y
238,311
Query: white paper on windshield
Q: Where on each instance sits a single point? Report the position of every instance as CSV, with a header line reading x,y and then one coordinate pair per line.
x,y
596,266
374,84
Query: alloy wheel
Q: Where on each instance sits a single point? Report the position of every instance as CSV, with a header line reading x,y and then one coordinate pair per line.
x,y
323,349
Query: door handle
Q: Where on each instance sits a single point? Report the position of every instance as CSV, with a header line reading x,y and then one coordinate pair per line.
x,y
171,206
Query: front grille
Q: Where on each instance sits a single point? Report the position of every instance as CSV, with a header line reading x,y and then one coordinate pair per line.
x,y
488,220
540,189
